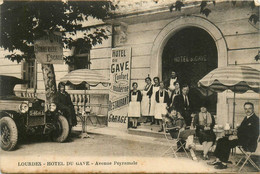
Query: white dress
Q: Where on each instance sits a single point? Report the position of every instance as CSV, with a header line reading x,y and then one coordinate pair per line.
x,y
134,109
153,102
145,104
160,108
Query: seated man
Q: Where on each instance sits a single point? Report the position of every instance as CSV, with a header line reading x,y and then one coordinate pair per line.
x,y
175,120
247,134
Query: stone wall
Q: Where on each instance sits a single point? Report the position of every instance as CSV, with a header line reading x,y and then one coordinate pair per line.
x,y
240,42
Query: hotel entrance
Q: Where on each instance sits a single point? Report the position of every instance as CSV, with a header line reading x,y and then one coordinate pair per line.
x,y
191,53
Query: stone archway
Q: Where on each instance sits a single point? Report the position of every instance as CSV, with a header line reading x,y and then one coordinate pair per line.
x,y
187,21
192,21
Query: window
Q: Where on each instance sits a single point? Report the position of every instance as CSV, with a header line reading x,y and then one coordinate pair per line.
x,y
81,59
29,73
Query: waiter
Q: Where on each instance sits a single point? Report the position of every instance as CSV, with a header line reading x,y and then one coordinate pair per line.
x,y
170,82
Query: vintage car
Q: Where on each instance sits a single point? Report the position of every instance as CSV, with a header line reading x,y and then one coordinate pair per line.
x,y
22,116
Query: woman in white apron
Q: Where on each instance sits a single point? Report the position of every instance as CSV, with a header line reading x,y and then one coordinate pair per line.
x,y
161,106
146,99
156,87
134,108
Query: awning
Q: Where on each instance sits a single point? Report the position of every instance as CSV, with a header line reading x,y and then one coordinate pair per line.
x,y
85,76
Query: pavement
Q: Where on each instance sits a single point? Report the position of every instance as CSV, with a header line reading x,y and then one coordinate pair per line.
x,y
121,133
109,149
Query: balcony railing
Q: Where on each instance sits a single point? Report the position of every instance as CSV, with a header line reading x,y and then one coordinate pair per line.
x,y
96,99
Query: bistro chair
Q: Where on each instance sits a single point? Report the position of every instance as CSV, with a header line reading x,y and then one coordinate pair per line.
x,y
93,114
173,142
247,157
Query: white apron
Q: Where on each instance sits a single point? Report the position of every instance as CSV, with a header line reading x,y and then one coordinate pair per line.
x,y
172,81
145,104
134,107
153,102
160,108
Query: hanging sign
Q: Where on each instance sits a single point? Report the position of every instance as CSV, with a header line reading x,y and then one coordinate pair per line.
x,y
120,82
49,49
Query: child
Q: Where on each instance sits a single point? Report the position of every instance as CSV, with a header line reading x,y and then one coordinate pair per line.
x,y
134,108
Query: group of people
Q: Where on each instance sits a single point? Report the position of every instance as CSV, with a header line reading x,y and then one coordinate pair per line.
x,y
169,102
172,105
202,125
155,99
246,135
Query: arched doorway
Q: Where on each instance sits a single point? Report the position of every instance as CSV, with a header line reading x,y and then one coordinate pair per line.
x,y
192,53
178,24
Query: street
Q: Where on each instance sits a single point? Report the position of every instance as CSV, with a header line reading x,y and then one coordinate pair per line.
x,y
107,149
97,145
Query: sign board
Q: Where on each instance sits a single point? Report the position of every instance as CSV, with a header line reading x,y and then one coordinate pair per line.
x,y
187,59
49,49
120,82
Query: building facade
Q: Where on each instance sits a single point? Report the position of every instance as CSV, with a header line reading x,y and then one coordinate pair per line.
x,y
186,41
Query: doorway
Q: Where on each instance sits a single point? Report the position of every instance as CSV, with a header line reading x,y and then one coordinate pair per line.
x,y
191,53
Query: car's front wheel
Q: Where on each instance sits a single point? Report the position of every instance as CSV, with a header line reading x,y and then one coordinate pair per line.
x,y
9,133
61,132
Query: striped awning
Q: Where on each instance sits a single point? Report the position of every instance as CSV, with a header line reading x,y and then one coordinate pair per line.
x,y
85,76
239,79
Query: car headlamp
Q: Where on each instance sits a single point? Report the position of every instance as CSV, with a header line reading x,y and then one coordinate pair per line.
x,y
24,107
53,107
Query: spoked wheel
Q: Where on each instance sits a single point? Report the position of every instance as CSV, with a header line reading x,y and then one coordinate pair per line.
x,y
9,133
61,132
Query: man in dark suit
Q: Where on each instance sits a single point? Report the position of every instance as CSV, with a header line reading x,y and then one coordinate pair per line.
x,y
183,104
175,92
247,135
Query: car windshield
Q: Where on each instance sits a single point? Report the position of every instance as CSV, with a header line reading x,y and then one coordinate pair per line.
x,y
7,84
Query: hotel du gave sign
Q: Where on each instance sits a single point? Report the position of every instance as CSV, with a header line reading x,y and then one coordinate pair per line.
x,y
120,82
49,49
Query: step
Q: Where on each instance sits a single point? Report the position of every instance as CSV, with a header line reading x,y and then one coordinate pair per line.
x,y
146,132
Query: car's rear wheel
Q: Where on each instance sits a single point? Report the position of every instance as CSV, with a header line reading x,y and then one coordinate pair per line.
x,y
61,132
9,133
